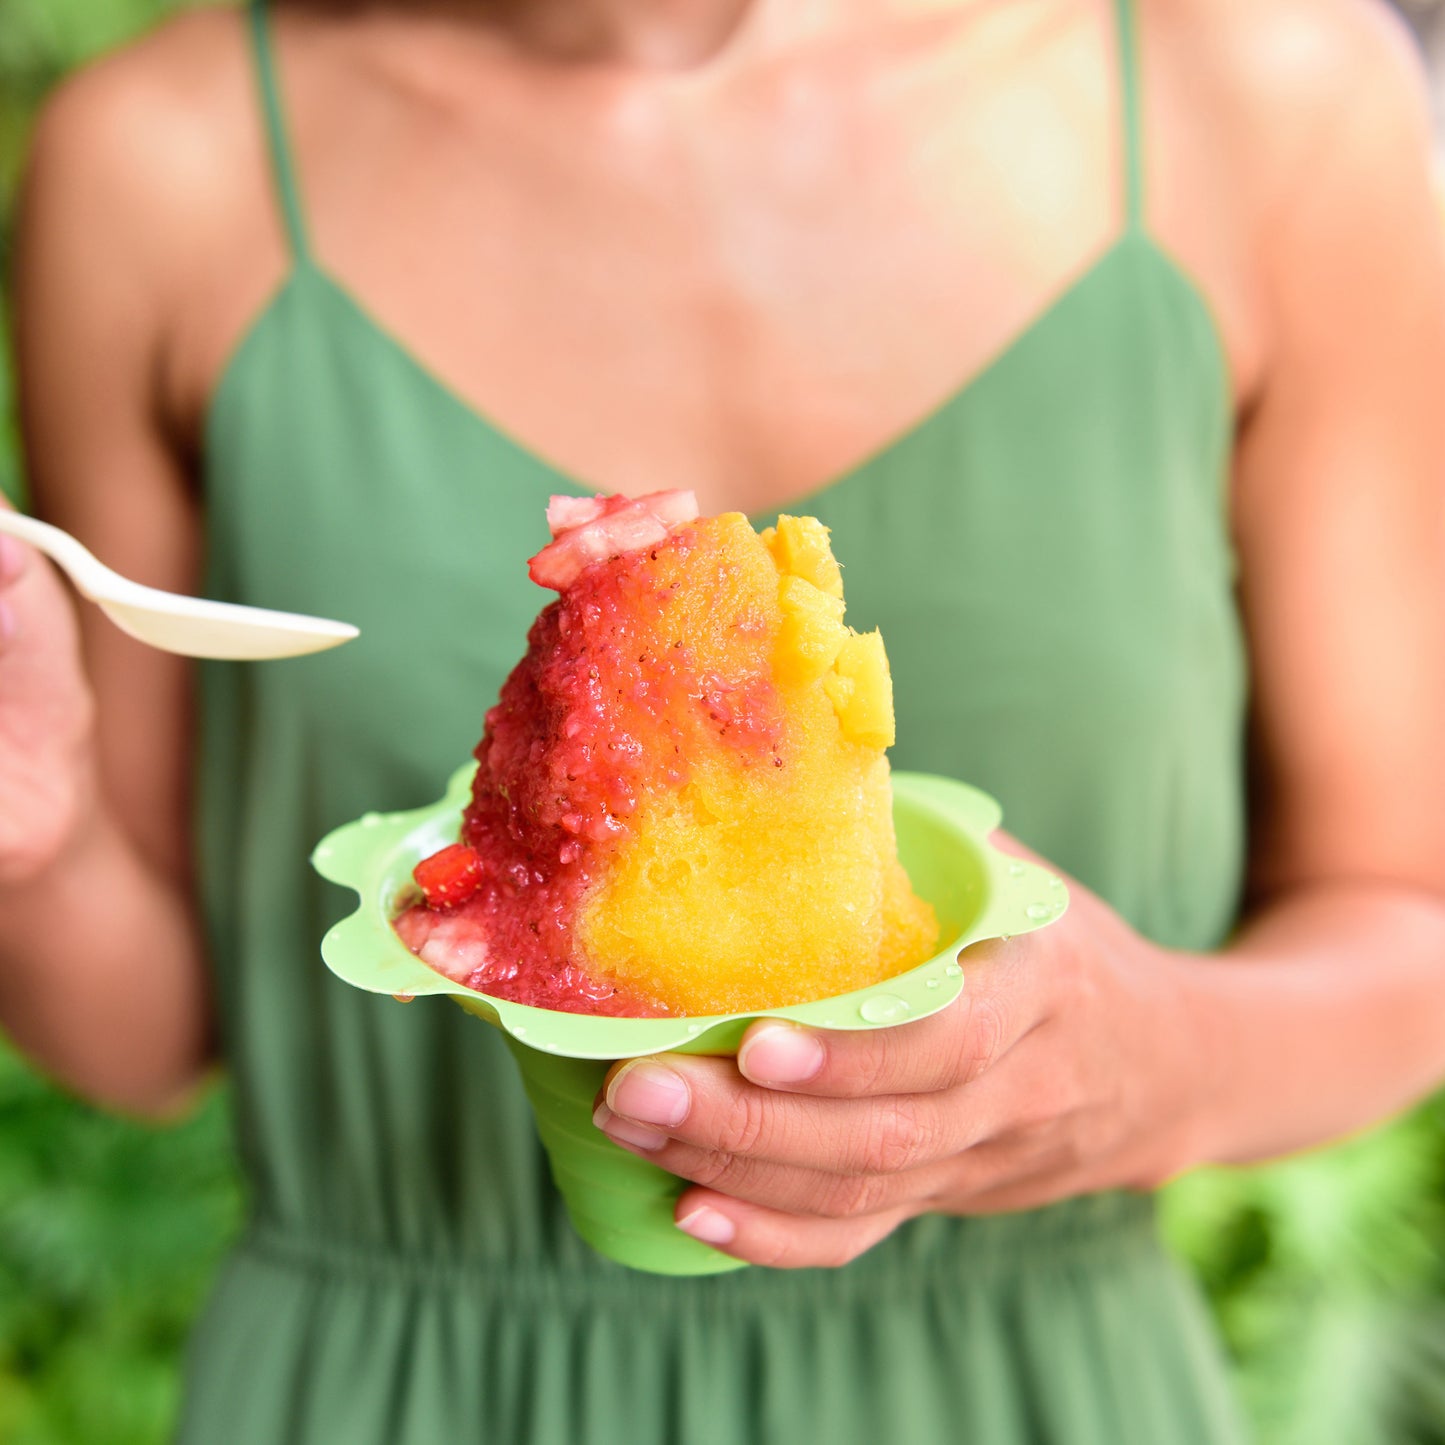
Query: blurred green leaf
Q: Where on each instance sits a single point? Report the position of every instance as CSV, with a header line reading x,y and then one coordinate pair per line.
x,y
109,1231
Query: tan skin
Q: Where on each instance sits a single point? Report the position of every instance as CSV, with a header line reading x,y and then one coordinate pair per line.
x,y
737,247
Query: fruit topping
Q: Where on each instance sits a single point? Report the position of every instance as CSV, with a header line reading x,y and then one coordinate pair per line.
x,y
800,548
449,877
862,690
586,530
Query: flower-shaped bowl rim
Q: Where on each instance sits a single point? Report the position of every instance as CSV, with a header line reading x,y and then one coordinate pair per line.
x,y
374,855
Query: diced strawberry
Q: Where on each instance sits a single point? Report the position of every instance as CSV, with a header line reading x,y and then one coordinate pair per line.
x,y
560,563
628,529
672,508
605,527
450,876
565,513
450,940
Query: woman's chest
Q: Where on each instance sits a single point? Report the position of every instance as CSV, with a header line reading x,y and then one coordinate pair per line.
x,y
743,285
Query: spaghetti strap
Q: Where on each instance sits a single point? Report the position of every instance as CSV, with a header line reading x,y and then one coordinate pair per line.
x,y
283,172
1131,111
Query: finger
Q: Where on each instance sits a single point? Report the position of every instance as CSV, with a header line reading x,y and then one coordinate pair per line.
x,y
1001,1002
794,1189
9,624
705,1103
1004,1178
1021,1170
14,559
778,1240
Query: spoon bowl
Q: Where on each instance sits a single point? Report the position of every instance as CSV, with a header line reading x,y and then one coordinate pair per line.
x,y
190,626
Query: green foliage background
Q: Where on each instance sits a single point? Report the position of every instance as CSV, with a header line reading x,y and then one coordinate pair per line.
x,y
1327,1273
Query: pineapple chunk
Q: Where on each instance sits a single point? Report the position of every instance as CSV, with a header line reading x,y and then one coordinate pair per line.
x,y
861,690
800,548
811,634
840,691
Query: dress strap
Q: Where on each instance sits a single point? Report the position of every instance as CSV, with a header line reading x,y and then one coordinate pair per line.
x,y
283,172
1131,111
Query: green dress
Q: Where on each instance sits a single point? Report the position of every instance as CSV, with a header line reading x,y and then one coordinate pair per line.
x,y
1048,557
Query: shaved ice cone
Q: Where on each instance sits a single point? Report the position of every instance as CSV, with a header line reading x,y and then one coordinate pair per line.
x,y
682,804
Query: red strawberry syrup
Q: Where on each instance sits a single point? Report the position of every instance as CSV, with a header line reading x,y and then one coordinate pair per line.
x,y
597,714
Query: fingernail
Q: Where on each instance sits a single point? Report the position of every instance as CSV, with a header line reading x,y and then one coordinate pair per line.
x,y
780,1054
649,1093
708,1225
626,1132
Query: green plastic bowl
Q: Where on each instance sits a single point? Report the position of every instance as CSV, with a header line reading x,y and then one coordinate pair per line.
x,y
620,1204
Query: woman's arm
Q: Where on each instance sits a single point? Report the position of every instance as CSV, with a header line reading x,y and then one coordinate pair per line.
x,y
1329,1012
101,975
1083,1057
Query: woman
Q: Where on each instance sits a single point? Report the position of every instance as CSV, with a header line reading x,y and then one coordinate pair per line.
x,y
1066,316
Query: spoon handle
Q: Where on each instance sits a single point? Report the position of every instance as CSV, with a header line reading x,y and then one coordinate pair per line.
x,y
83,568
190,626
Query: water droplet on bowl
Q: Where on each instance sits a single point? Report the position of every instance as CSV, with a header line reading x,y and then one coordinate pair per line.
x,y
1016,870
883,1008
403,997
1056,883
370,820
953,970
519,1032
694,1028
932,983
830,1023
1039,911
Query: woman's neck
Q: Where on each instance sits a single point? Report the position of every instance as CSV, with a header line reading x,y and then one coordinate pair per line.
x,y
643,34
649,34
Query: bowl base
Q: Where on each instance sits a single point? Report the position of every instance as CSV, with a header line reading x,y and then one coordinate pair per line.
x,y
620,1204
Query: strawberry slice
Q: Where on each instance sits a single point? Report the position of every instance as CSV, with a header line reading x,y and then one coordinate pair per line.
x,y
450,876
673,508
565,513
592,529
448,939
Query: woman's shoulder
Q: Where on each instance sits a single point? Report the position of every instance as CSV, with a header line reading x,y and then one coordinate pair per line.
x,y
1285,73
146,180
1310,121
177,85
150,138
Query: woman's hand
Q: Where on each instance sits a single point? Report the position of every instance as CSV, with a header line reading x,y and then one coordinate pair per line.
x,y
45,717
1069,1064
